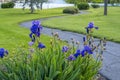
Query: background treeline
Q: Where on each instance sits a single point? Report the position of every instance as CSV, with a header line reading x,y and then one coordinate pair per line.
x,y
94,1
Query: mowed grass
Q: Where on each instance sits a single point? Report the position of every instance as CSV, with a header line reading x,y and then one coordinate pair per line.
x,y
12,35
109,26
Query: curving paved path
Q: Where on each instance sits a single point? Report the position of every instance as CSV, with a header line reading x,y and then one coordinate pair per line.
x,y
111,57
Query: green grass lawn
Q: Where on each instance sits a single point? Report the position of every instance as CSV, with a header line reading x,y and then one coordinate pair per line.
x,y
11,34
109,26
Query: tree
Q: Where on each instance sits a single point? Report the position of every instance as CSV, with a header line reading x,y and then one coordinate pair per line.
x,y
114,1
105,7
41,3
37,3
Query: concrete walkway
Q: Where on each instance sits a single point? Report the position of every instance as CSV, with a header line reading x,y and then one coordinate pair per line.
x,y
111,57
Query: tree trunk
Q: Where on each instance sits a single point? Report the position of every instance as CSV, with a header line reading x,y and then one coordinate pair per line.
x,y
105,7
32,9
41,5
31,6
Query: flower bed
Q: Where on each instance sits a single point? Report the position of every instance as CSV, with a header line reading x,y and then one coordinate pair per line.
x,y
59,62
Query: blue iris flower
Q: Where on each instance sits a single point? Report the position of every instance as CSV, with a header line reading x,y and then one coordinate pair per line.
x,y
41,46
71,57
64,49
88,49
91,25
77,53
3,52
34,29
83,53
35,22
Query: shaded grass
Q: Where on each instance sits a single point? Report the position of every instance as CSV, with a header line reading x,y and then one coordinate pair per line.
x,y
109,26
11,34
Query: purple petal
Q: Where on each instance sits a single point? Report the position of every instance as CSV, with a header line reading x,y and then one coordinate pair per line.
x,y
71,57
91,25
3,52
83,53
35,22
88,49
65,49
31,43
40,45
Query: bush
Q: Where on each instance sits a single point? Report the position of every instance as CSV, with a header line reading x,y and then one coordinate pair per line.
x,y
7,5
70,10
95,5
83,6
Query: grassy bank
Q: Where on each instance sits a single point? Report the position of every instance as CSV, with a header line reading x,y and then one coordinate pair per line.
x,y
109,25
11,34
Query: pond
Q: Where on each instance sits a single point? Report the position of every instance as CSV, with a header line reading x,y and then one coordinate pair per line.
x,y
50,4
59,1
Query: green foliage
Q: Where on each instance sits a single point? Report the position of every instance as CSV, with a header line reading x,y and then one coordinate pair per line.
x,y
70,10
47,64
83,6
76,1
95,5
97,1
7,5
114,1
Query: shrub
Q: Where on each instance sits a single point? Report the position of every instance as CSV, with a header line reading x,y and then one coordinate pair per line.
x,y
70,10
83,6
7,5
95,5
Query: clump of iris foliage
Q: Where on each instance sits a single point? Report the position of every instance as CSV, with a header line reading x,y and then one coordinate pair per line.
x,y
58,62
